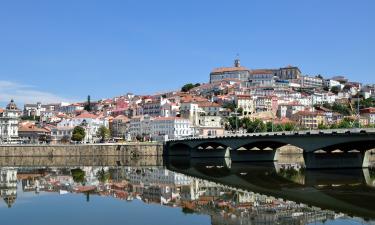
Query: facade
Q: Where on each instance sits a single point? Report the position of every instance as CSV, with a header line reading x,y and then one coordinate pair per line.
x,y
246,103
9,119
89,122
236,72
120,127
38,109
266,104
71,108
60,134
140,126
309,119
31,134
289,73
210,126
311,82
287,110
369,114
262,78
329,83
165,128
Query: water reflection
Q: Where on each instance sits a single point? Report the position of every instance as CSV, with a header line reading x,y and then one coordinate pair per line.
x,y
283,193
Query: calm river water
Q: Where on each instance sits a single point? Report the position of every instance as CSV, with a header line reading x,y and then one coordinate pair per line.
x,y
182,191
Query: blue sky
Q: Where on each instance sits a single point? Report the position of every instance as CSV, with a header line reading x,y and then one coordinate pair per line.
x,y
65,50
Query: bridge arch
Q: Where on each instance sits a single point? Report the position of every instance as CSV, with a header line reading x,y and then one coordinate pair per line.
x,y
261,145
210,146
178,149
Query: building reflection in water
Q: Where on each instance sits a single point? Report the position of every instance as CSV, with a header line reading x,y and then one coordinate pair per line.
x,y
233,195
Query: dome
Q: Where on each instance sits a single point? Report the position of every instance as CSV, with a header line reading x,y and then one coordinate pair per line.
x,y
12,105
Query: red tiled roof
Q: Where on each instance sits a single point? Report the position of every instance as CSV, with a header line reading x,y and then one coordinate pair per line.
x,y
208,104
262,71
229,69
168,118
87,115
368,110
308,113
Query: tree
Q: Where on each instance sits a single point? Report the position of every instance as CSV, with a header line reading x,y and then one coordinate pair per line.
x,y
78,175
103,176
257,125
78,133
335,89
103,132
88,104
342,109
321,126
366,103
289,126
230,105
240,111
346,123
187,87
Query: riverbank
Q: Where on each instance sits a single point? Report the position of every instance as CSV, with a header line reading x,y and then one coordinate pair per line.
x,y
112,149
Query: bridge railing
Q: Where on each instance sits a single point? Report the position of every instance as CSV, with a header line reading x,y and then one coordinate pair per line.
x,y
284,133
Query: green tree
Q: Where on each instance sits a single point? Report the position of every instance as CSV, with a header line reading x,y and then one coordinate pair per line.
x,y
104,133
257,125
335,89
321,126
346,123
289,126
342,109
366,103
230,105
232,123
87,107
188,87
245,122
103,176
78,133
78,175
240,111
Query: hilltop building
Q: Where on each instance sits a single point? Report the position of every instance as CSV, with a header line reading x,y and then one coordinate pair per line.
x,y
9,118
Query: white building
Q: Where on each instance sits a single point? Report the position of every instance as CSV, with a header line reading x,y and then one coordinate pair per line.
x,y
311,82
165,128
9,119
329,83
140,126
89,122
246,103
262,78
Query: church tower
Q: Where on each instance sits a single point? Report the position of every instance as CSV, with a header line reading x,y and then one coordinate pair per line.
x,y
237,62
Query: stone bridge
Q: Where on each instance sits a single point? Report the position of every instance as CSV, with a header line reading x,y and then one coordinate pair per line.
x,y
321,149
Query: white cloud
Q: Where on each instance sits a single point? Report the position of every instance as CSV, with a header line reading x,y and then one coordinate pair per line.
x,y
22,94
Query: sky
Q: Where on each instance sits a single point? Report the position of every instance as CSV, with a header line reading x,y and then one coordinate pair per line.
x,y
54,51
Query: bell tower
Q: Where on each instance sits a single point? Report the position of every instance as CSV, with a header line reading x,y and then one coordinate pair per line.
x,y
237,62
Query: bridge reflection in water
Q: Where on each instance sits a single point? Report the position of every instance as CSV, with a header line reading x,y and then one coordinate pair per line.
x,y
351,191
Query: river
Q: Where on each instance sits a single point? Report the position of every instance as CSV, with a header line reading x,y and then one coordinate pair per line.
x,y
44,191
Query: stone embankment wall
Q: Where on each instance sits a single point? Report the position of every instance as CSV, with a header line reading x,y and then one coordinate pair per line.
x,y
77,161
134,150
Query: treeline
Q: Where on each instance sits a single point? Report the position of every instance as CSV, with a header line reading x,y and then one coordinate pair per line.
x,y
257,125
